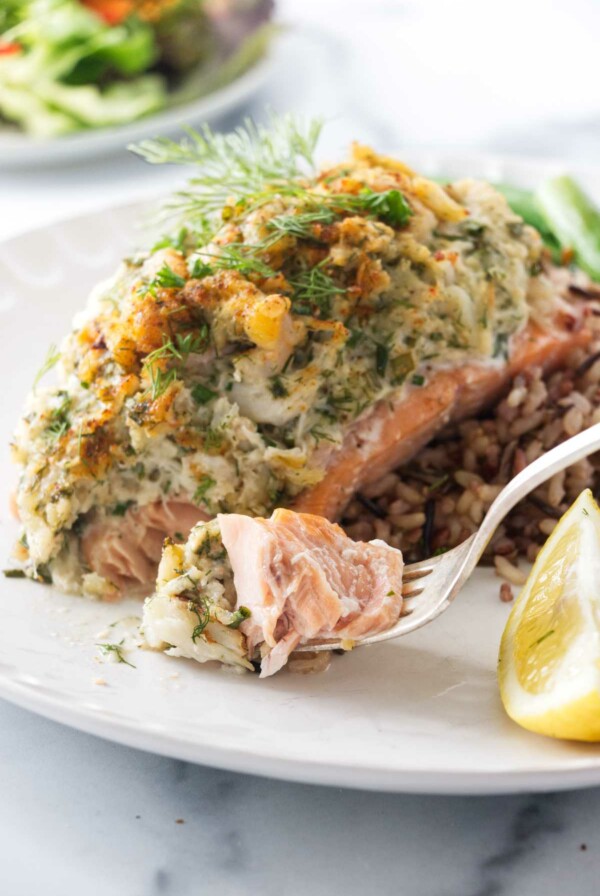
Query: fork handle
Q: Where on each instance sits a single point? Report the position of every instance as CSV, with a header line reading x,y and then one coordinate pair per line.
x,y
541,469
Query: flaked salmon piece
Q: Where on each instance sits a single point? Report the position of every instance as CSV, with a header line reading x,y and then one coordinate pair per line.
x,y
301,577
397,428
126,550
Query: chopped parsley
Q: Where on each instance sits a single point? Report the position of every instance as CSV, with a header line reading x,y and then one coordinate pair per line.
x,y
390,206
178,241
278,390
167,279
501,346
201,269
202,394
121,508
382,356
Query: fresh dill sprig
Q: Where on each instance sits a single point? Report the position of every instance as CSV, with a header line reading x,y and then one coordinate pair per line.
x,y
241,257
160,380
115,650
314,290
52,358
60,422
247,165
301,225
177,350
201,610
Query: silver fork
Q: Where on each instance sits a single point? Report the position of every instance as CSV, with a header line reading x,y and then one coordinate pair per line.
x,y
430,586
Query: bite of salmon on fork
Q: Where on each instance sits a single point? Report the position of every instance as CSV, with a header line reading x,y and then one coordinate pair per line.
x,y
296,584
244,590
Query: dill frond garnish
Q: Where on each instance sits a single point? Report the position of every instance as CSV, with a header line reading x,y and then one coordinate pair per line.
x,y
248,165
180,347
52,358
115,650
301,225
313,291
176,350
200,609
240,257
239,172
160,380
60,422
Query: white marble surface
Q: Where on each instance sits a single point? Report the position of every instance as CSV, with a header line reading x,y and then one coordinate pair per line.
x,y
80,815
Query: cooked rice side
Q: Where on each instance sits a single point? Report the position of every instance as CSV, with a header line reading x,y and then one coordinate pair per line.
x,y
439,499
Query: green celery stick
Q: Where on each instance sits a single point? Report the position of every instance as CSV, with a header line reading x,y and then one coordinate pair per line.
x,y
574,219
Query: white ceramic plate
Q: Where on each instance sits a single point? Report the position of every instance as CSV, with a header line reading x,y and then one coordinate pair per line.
x,y
20,150
422,714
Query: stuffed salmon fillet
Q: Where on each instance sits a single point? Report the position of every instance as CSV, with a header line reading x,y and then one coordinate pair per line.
x,y
297,333
246,590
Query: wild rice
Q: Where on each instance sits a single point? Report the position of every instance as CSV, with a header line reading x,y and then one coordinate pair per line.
x,y
508,571
438,499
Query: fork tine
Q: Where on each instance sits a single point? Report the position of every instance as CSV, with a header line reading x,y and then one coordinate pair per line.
x,y
408,592
410,574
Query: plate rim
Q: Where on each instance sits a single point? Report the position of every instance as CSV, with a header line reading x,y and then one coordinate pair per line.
x,y
266,763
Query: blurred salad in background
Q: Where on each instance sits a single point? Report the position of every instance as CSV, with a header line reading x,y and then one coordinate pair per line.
x,y
69,65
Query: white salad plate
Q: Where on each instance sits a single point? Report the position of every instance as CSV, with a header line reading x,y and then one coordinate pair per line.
x,y
421,714
21,150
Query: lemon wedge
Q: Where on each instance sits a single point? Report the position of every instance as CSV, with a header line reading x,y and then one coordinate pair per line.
x,y
549,663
